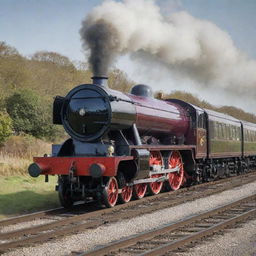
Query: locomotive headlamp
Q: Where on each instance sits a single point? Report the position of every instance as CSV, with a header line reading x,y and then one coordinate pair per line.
x,y
111,150
82,112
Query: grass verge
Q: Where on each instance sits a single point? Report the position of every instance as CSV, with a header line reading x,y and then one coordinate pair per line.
x,y
17,154
13,165
24,194
20,193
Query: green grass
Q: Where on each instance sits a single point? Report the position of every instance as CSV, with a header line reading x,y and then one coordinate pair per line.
x,y
23,194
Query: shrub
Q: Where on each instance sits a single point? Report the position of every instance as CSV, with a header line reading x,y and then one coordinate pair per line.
x,y
27,111
5,126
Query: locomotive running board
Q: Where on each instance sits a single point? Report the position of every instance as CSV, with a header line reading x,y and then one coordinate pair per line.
x,y
81,165
151,147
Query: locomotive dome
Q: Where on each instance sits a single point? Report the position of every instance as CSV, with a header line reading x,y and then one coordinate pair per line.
x,y
86,114
142,90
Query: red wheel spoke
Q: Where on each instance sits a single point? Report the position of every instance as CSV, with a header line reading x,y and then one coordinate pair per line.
x,y
155,159
139,190
175,179
126,194
111,193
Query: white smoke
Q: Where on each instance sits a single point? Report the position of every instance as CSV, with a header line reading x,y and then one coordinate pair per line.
x,y
187,46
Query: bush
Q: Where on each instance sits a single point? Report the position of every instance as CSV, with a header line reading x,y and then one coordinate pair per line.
x,y
28,113
5,126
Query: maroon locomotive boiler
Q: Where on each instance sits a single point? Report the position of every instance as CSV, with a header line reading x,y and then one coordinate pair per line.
x,y
123,145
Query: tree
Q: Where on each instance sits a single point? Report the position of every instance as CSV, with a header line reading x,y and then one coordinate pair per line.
x,y
5,126
6,50
27,111
229,110
118,80
53,57
13,69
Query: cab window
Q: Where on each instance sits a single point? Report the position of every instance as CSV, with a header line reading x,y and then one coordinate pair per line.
x,y
201,121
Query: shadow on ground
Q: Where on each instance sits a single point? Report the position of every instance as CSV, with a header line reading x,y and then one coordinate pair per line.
x,y
27,201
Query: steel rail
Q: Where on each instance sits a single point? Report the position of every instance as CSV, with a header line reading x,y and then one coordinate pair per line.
x,y
60,210
198,235
126,242
30,216
88,215
73,224
40,214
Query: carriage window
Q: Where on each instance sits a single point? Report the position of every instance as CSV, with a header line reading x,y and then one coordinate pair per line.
x,y
223,131
238,133
233,133
220,130
224,128
245,135
211,129
248,135
217,130
228,132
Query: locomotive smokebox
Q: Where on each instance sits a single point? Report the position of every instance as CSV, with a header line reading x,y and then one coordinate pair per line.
x,y
100,80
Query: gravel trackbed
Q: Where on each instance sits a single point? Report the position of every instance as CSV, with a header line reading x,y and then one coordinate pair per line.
x,y
110,232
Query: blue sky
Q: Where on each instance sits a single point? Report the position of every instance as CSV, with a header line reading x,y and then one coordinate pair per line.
x,y
53,25
33,25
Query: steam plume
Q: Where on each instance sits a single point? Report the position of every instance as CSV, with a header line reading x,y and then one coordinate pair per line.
x,y
188,46
101,37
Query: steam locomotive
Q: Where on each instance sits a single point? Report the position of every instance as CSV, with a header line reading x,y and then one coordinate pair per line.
x,y
124,145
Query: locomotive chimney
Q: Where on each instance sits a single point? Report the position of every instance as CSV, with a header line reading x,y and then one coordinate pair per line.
x,y
100,80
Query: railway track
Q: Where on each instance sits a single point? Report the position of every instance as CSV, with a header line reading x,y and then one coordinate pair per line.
x,y
84,208
30,216
93,219
170,238
61,211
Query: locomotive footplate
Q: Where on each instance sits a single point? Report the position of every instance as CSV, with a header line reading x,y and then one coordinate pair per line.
x,y
61,165
163,147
